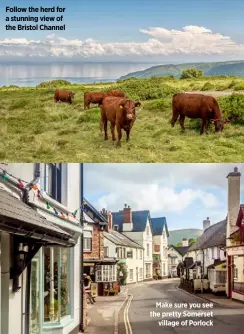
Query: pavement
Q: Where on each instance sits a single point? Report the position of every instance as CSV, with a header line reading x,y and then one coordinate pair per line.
x,y
161,307
103,314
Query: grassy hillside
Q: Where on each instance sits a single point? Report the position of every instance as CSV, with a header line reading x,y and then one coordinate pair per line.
x,y
235,68
33,127
177,235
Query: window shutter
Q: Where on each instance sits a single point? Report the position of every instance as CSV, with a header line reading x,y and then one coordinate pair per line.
x,y
59,182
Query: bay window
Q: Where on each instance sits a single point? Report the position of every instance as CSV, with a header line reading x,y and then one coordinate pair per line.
x,y
106,273
57,284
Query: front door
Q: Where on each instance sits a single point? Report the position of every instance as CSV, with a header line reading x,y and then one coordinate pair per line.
x,y
35,296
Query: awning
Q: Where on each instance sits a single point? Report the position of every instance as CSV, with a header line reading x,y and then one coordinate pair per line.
x,y
98,261
19,219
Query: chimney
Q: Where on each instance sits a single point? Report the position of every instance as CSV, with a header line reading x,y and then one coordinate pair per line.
x,y
185,242
127,223
234,185
206,224
108,215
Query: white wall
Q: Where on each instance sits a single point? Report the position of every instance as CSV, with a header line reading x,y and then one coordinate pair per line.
x,y
133,264
111,247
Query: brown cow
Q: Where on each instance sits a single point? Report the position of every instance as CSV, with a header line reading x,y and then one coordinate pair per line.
x,y
93,97
197,106
116,93
120,112
97,97
64,96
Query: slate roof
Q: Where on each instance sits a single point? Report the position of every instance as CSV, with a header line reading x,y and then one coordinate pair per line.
x,y
213,236
88,205
139,219
158,225
120,239
14,212
181,250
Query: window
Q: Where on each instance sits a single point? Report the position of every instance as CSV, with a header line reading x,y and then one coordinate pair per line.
x,y
212,251
57,269
218,253
140,254
130,254
87,241
141,272
131,274
235,273
164,273
53,181
106,273
157,248
147,230
147,249
173,260
124,253
106,252
148,275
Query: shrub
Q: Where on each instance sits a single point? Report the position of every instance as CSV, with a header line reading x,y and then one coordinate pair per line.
x,y
207,86
54,84
191,73
233,107
239,86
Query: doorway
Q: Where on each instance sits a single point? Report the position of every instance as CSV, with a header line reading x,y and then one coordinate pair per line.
x,y
35,296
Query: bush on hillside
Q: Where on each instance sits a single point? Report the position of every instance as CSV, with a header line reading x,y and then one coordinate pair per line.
x,y
207,86
233,107
54,84
239,86
191,73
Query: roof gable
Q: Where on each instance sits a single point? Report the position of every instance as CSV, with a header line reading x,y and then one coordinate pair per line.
x,y
88,207
159,225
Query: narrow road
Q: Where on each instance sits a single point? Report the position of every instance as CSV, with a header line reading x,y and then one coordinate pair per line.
x,y
215,93
141,316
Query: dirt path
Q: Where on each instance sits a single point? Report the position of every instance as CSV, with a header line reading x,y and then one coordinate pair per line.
x,y
215,93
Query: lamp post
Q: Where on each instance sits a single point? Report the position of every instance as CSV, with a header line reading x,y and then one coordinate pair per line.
x,y
81,255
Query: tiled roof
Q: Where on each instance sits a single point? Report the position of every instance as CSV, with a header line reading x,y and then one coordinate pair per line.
x,y
139,219
181,250
158,225
120,239
213,236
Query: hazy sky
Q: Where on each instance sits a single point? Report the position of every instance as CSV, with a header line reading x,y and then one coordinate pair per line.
x,y
138,30
184,193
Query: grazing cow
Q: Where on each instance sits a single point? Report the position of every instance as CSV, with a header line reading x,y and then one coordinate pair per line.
x,y
63,96
120,112
116,93
97,97
197,106
93,97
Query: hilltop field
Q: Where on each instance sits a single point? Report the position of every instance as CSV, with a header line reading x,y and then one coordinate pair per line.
x,y
34,128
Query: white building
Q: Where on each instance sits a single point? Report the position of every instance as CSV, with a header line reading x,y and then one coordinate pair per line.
x,y
176,255
137,226
210,246
39,209
160,246
119,246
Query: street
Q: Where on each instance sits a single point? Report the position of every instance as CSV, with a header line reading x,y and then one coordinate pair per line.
x,y
141,316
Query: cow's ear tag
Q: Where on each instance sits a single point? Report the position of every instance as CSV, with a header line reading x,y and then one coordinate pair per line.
x,y
121,107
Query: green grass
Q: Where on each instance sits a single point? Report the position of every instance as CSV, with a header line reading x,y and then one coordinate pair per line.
x,y
34,128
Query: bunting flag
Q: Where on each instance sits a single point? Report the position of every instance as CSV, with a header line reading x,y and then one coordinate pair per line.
x,y
21,184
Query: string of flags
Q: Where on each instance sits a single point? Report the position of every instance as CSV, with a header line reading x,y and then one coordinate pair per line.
x,y
21,184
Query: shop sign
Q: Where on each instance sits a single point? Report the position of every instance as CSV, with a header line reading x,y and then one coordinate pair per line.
x,y
236,251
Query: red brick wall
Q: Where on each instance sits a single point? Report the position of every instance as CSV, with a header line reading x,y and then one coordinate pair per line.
x,y
95,253
127,215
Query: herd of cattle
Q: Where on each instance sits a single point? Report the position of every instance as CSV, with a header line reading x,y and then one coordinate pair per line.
x,y
120,111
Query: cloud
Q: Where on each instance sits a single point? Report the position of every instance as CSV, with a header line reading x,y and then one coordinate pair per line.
x,y
194,40
156,198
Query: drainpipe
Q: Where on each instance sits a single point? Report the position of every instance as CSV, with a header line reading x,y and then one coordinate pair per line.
x,y
81,253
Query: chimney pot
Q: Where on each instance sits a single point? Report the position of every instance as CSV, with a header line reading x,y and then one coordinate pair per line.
x,y
125,205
